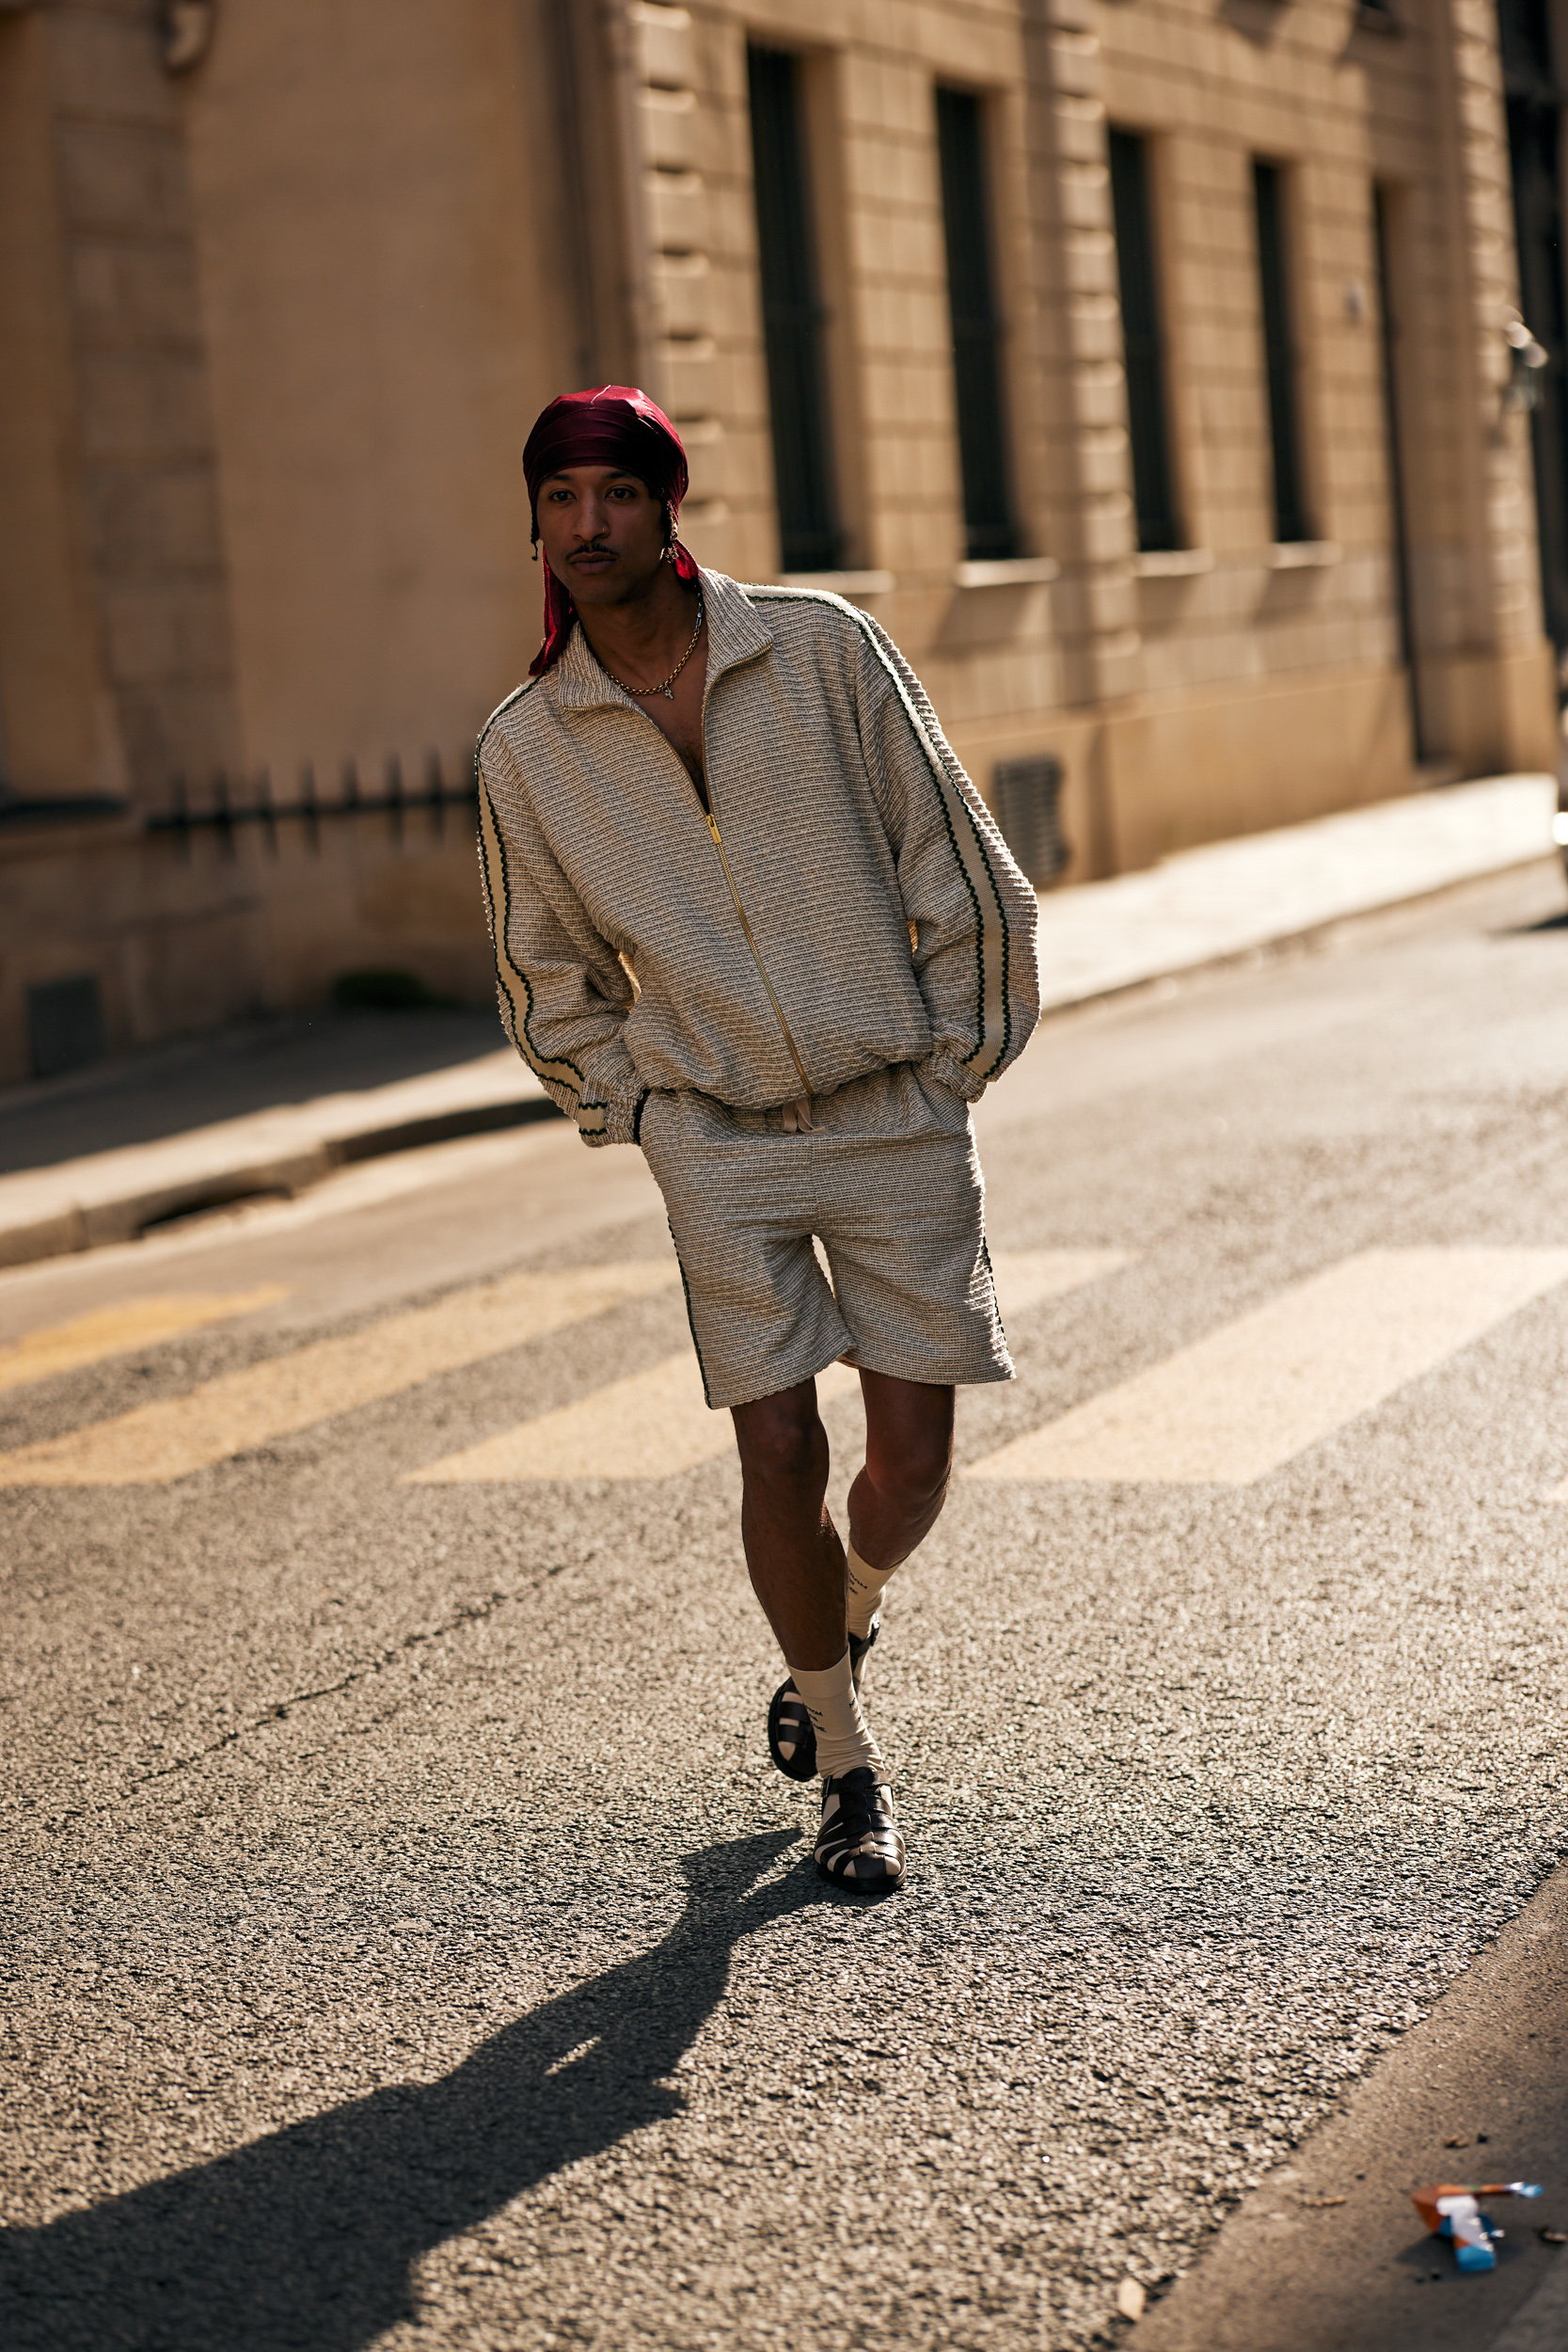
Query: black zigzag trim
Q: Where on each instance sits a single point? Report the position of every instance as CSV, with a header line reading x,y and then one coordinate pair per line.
x,y
502,991
525,1043
937,749
991,1277
498,929
692,1321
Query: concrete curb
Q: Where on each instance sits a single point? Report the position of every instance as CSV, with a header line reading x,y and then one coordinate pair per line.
x,y
116,1195
1197,911
1205,908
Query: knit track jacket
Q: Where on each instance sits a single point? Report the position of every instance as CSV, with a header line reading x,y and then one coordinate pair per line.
x,y
887,921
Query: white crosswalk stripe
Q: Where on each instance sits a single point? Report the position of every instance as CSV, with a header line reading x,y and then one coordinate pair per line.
x,y
1224,1411
1243,1400
176,1435
1027,1278
656,1423
649,1425
107,1332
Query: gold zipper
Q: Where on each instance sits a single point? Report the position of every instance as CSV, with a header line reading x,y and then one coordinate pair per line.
x,y
762,969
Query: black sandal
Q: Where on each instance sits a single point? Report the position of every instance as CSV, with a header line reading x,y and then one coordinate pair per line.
x,y
858,1844
791,1740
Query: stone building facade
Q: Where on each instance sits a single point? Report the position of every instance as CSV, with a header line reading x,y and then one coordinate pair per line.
x,y
1143,366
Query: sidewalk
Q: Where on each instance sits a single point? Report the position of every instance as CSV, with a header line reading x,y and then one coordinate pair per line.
x,y
1208,905
100,1156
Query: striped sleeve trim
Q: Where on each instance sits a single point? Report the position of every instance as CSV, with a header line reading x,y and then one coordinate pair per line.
x,y
512,983
993,1020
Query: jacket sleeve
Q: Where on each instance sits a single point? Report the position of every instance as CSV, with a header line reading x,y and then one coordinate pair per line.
x,y
564,994
975,915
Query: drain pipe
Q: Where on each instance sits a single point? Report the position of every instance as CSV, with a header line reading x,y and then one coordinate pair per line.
x,y
622,48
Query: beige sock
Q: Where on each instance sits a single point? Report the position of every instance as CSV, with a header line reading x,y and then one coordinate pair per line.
x,y
865,1589
842,1741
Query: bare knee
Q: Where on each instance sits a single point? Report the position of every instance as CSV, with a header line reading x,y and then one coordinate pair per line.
x,y
914,1478
782,1443
908,1443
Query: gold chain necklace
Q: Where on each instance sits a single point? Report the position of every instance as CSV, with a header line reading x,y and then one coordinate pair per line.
x,y
666,685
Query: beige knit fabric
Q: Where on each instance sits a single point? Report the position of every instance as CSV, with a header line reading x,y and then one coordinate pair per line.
x,y
844,817
890,1185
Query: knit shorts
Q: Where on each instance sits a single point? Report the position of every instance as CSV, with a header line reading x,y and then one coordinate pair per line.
x,y
889,1182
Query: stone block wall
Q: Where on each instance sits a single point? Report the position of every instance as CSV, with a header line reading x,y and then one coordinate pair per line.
x,y
146,452
184,931
278,326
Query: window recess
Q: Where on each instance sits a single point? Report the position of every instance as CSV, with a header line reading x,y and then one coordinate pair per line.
x,y
1290,520
989,535
1143,345
793,318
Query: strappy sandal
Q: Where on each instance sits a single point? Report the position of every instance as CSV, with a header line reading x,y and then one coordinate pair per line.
x,y
858,1844
791,1740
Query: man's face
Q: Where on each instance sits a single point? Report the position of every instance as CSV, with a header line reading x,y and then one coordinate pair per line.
x,y
603,532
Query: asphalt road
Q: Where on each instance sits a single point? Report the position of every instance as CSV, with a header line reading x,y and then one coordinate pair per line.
x,y
406,1939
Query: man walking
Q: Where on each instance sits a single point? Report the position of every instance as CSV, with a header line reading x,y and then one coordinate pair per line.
x,y
833,955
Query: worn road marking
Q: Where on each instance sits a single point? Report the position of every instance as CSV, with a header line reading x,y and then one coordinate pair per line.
x,y
1236,1405
656,1423
168,1439
114,1331
649,1425
1026,1278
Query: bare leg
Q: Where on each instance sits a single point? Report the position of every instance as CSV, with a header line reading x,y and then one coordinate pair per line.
x,y
895,1503
792,1550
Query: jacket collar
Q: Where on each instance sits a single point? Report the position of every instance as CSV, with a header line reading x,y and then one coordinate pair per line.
x,y
736,633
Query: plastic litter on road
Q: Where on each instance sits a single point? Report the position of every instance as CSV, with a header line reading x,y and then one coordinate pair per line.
x,y
1452,2212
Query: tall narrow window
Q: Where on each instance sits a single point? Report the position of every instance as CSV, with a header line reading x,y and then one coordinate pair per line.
x,y
1537,152
1143,343
792,316
976,329
1279,355
1399,522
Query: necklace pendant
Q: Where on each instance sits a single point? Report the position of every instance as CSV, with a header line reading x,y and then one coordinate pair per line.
x,y
667,692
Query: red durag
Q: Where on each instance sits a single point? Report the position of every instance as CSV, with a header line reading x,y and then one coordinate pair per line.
x,y
615,425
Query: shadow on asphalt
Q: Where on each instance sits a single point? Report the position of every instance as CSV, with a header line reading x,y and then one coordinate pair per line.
x,y
308,2238
265,1065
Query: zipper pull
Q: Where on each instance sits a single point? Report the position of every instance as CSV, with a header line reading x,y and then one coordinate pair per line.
x,y
713,827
